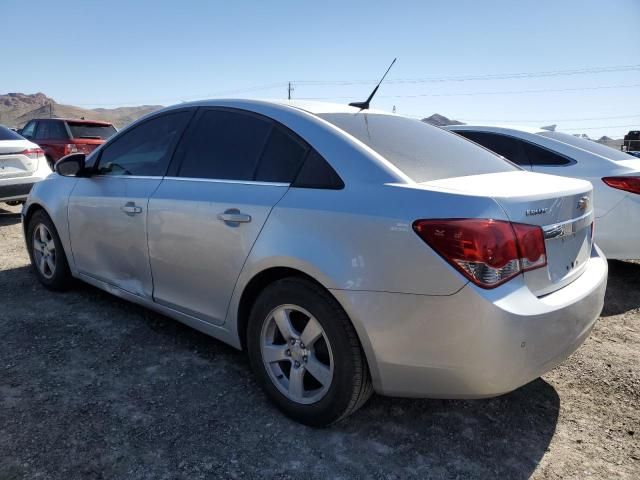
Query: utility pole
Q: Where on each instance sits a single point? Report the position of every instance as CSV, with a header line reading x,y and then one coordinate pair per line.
x,y
50,111
289,90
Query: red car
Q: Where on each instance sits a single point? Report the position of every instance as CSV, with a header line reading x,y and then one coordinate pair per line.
x,y
61,136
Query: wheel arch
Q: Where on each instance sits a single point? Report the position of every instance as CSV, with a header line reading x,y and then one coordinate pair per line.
x,y
260,280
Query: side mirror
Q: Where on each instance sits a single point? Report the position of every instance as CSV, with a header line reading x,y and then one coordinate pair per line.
x,y
71,165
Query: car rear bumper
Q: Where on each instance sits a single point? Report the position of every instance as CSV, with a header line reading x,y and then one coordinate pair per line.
x,y
17,189
476,343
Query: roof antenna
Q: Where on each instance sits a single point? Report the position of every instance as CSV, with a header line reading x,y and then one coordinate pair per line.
x,y
365,105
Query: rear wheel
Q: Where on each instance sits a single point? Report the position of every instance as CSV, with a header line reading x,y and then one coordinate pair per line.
x,y
306,354
47,255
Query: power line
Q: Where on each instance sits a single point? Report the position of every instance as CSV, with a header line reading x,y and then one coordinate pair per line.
x,y
190,97
548,119
504,92
465,78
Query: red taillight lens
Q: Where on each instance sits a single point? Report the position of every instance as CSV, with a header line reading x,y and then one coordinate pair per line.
x,y
628,184
70,148
487,252
33,153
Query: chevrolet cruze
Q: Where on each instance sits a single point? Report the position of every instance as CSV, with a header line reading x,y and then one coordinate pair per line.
x,y
347,251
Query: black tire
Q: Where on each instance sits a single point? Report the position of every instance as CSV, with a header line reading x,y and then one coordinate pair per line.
x,y
350,386
61,278
51,163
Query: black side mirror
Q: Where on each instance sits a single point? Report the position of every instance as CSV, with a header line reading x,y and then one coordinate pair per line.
x,y
71,165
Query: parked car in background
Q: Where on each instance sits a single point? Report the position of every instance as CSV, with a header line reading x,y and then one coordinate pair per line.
x,y
347,251
615,176
60,136
22,164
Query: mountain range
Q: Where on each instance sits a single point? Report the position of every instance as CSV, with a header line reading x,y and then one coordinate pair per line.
x,y
16,109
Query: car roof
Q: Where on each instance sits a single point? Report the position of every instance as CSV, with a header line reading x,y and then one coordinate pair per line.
x,y
313,107
77,120
494,127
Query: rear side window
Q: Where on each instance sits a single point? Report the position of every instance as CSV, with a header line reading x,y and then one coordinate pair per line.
x,y
6,134
543,157
509,147
224,145
51,129
91,130
421,151
282,157
146,149
28,130
317,173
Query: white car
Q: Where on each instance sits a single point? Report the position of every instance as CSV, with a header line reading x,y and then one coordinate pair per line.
x,y
615,176
22,164
346,250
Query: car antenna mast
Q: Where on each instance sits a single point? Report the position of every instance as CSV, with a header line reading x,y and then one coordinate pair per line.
x,y
365,105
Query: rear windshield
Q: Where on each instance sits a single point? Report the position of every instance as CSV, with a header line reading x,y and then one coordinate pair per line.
x,y
6,134
90,130
588,145
421,151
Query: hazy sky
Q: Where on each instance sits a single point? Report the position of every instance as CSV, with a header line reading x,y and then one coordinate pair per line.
x,y
114,53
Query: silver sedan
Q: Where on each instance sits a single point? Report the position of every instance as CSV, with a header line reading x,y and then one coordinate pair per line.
x,y
348,251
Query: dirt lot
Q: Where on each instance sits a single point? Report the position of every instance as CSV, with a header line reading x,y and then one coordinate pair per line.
x,y
94,387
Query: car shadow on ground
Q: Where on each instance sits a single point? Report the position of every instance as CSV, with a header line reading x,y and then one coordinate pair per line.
x,y
623,288
95,386
9,218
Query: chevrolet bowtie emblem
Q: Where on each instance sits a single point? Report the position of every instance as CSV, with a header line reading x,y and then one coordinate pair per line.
x,y
583,203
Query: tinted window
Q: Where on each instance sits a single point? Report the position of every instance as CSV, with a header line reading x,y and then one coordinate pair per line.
x,y
51,129
6,134
282,157
542,156
317,173
224,145
91,130
146,149
509,147
423,152
28,129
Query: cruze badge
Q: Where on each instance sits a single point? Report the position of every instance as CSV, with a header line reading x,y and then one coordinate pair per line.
x,y
583,203
535,211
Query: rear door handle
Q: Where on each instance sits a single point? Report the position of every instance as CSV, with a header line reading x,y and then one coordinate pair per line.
x,y
131,209
234,216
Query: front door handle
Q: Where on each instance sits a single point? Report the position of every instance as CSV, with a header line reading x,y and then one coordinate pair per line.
x,y
233,216
131,209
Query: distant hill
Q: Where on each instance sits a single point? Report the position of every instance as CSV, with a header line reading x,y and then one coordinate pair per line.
x,y
440,120
16,109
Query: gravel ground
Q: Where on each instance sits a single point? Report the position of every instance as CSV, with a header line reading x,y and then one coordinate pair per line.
x,y
94,387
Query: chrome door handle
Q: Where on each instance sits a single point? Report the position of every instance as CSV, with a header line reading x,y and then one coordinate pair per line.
x,y
130,208
233,215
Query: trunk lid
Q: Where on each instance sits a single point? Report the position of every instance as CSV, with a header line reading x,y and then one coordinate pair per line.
x,y
562,206
12,163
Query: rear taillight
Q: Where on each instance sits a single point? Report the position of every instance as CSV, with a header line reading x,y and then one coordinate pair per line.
x,y
33,153
487,252
70,148
628,184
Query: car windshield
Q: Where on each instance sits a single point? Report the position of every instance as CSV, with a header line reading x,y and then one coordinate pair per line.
x,y
588,145
6,134
91,130
423,152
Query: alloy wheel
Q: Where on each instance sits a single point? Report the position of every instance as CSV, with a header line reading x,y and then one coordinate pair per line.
x,y
44,251
296,354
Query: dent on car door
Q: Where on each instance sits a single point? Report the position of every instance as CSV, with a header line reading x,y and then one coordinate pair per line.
x,y
229,171
108,211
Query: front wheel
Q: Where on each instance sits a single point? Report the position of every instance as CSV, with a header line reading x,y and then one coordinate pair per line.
x,y
47,255
306,353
